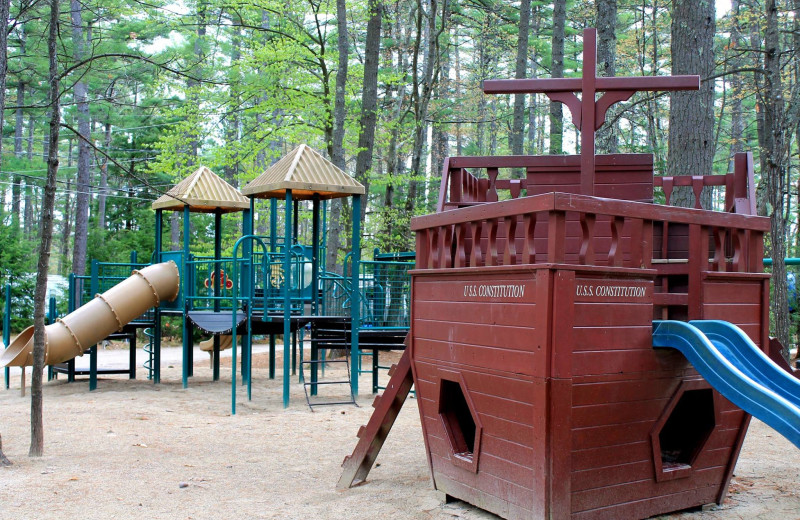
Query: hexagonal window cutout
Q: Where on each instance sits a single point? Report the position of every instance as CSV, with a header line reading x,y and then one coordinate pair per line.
x,y
683,429
460,422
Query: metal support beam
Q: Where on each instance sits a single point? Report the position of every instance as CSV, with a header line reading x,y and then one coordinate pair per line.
x,y
217,280
316,250
95,289
355,316
187,328
287,300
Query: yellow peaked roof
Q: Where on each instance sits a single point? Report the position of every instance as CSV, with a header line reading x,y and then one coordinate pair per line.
x,y
205,192
305,172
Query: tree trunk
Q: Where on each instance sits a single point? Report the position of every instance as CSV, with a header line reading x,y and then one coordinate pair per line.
x,y
232,121
483,61
395,96
28,220
369,96
175,231
4,9
46,236
557,71
335,228
457,93
339,112
3,459
421,92
101,197
19,123
16,202
193,84
335,231
45,138
16,188
737,120
774,173
520,71
691,120
533,126
84,151
796,42
66,230
19,139
606,136
440,148
31,127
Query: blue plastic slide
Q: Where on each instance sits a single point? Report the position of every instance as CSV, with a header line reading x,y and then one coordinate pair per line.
x,y
727,358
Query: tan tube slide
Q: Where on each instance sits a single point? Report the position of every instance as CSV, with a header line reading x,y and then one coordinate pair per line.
x,y
104,315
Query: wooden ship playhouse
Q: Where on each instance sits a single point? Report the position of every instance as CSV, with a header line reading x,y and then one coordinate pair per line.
x,y
542,388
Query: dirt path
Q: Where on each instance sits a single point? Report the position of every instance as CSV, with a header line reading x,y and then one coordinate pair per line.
x,y
135,450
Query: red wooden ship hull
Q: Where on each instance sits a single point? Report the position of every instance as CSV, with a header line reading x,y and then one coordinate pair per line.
x,y
552,327
540,392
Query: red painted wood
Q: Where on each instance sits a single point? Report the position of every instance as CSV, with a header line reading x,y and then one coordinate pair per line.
x,y
559,373
597,433
358,464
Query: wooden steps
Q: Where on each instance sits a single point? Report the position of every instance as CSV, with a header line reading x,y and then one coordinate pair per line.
x,y
372,435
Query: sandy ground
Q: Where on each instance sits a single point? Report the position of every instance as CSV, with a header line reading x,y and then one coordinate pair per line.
x,y
135,450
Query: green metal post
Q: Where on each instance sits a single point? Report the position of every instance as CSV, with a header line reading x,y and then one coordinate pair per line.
x,y
354,297
132,337
157,245
271,352
324,246
93,350
72,304
273,225
246,288
155,346
273,245
51,318
294,352
245,284
315,251
7,328
287,301
187,328
217,280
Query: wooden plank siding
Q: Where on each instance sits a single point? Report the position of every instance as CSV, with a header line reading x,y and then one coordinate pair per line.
x,y
567,392
612,457
464,331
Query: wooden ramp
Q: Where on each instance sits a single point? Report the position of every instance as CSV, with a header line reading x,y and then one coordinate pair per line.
x,y
372,436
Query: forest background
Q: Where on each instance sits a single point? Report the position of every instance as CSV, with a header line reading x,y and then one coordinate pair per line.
x,y
145,92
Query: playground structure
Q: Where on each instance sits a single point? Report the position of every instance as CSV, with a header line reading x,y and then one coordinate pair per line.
x,y
577,350
270,286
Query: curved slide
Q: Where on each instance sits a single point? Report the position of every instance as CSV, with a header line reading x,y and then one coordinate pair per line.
x,y
735,366
105,314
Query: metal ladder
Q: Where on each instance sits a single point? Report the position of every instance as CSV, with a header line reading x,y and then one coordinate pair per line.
x,y
327,335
